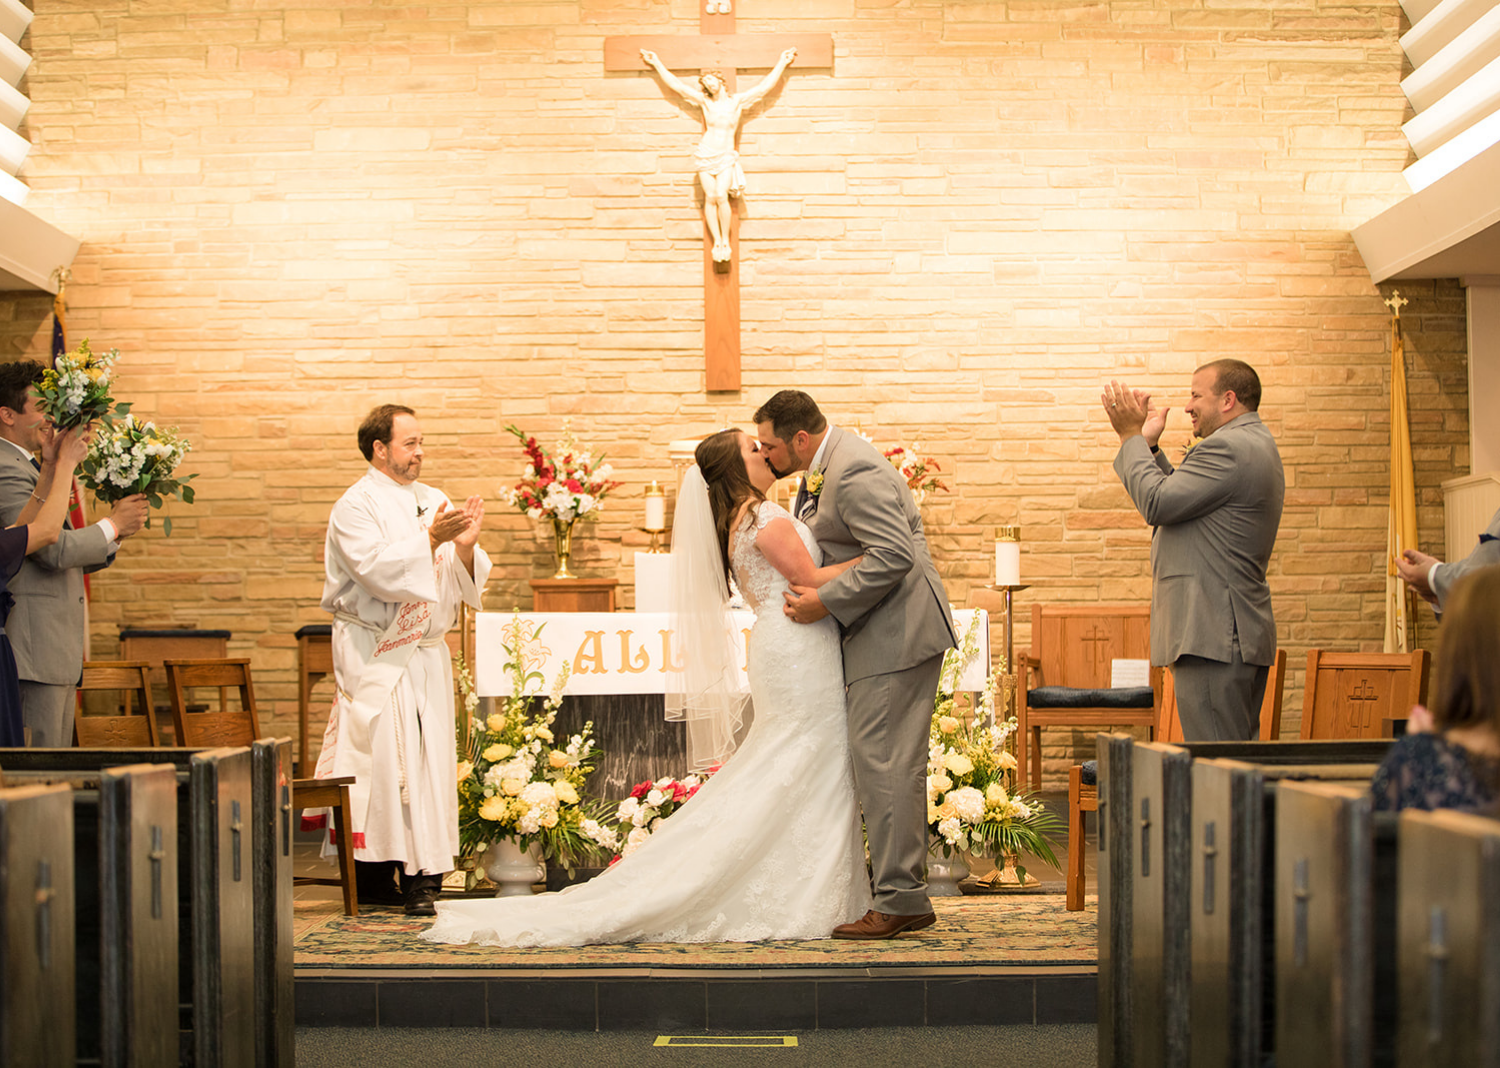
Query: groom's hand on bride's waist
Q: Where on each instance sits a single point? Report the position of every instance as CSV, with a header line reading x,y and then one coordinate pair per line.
x,y
803,605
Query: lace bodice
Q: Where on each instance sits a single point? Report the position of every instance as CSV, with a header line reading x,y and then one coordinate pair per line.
x,y
757,579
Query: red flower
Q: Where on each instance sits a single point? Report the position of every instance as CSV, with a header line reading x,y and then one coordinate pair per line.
x,y
641,790
574,485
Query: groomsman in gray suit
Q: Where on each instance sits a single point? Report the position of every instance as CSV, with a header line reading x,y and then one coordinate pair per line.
x,y
1216,518
1432,579
46,625
896,623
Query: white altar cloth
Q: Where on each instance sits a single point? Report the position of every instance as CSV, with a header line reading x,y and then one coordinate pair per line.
x,y
626,652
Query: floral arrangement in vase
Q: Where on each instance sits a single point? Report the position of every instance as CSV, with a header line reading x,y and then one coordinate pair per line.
x,y
919,471
129,457
974,803
565,486
649,803
518,780
75,390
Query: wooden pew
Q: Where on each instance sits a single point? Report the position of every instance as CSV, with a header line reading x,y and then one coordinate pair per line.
x,y
36,930
1116,1015
1335,927
237,999
1448,939
1147,951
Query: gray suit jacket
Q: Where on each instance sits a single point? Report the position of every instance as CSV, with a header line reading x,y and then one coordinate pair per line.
x,y
1485,554
1216,518
891,607
46,625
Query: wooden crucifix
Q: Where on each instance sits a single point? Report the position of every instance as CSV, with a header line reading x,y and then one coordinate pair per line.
x,y
718,49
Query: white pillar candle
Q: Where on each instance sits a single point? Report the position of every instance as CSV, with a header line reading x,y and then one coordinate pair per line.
x,y
1008,556
656,508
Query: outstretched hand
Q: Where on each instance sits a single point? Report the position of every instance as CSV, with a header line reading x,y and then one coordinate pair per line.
x,y
1414,567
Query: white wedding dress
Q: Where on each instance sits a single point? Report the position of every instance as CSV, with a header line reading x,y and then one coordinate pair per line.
x,y
769,848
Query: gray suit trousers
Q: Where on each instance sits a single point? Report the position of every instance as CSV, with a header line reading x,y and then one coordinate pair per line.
x,y
1218,701
890,717
47,711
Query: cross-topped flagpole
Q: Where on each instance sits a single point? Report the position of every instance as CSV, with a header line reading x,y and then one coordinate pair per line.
x,y
717,47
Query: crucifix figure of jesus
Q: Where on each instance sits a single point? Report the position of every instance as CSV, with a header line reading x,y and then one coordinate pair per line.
x,y
717,159
717,53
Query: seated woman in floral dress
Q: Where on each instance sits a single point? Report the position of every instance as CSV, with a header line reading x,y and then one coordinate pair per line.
x,y
1450,758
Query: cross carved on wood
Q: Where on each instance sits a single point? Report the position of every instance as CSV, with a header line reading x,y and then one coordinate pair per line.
x,y
717,47
1097,640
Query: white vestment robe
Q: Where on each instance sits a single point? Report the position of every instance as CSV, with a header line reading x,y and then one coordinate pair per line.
x,y
399,743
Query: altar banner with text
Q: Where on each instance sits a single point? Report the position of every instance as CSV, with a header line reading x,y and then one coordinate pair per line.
x,y
627,652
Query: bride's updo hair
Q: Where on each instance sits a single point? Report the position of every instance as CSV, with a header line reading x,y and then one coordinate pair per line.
x,y
723,468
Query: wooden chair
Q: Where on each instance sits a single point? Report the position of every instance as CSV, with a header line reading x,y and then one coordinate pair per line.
x,y
1350,695
1069,661
241,726
1084,797
131,679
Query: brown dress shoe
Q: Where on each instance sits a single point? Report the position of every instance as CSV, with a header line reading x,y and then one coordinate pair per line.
x,y
883,925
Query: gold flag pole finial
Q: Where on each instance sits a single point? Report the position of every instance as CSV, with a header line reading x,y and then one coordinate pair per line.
x,y
61,276
1396,303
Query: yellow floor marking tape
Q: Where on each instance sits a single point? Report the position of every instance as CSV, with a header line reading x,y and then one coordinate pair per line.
x,y
720,1041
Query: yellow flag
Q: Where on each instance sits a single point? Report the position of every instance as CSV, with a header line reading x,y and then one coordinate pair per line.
x,y
1402,527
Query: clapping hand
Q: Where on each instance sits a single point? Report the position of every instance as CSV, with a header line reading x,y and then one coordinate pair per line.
x,y
1127,410
474,510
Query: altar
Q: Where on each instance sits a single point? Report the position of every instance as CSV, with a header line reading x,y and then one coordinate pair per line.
x,y
617,663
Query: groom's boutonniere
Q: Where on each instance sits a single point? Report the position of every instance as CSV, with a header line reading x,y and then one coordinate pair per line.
x,y
815,483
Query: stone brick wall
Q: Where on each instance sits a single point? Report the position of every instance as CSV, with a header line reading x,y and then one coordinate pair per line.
x,y
981,213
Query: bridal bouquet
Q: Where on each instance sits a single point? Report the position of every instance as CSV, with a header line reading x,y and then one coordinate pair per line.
x,y
128,457
974,803
565,485
518,780
648,804
75,390
919,471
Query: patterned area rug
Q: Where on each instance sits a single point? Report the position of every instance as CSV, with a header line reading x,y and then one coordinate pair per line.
x,y
972,932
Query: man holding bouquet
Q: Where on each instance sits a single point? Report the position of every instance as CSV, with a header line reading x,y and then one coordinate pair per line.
x,y
46,626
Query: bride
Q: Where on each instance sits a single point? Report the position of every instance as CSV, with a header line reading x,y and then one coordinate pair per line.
x,y
770,847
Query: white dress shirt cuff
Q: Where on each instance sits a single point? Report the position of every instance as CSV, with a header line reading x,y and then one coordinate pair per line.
x,y
1431,573
111,533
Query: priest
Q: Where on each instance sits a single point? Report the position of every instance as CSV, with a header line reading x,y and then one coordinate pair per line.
x,y
400,558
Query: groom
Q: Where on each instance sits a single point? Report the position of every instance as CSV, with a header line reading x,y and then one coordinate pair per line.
x,y
894,616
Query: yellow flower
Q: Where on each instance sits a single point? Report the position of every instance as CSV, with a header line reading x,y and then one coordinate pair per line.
x,y
947,810
947,724
996,794
513,787
548,818
815,483
565,792
493,809
497,752
1008,761
557,758
496,722
544,734
465,769
958,763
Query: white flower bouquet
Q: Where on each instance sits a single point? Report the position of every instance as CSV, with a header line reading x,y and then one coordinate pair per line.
x,y
129,457
75,390
519,781
974,803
